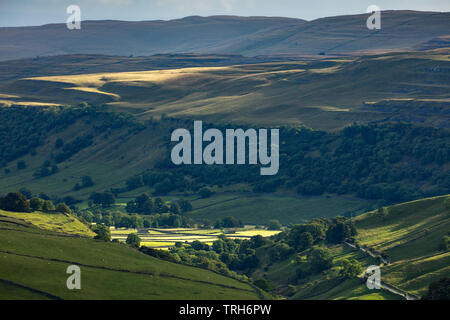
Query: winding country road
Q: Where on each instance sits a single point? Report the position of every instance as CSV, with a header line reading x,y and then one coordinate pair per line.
x,y
383,285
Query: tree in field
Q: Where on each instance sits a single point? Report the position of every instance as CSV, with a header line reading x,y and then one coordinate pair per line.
x,y
263,284
185,205
197,245
133,240
15,201
340,231
48,206
320,259
274,225
350,268
230,222
63,208
36,204
175,208
205,192
102,232
160,206
106,199
306,240
296,232
144,204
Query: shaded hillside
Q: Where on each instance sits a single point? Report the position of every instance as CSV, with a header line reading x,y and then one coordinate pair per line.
x,y
345,34
190,34
226,34
389,163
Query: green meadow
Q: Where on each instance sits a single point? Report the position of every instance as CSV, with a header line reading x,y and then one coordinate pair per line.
x,y
37,259
258,209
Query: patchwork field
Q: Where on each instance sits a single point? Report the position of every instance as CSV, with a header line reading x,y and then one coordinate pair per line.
x,y
166,238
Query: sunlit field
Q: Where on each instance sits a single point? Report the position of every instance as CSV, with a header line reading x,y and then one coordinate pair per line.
x,y
166,238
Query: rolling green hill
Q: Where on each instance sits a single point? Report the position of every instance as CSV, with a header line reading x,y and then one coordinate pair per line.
x,y
409,236
34,263
57,222
258,209
326,94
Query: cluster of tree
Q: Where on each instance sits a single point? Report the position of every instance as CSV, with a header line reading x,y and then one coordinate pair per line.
x,y
112,217
274,224
47,169
105,199
145,205
236,257
350,268
228,222
133,240
24,129
226,256
314,260
161,182
102,232
17,202
385,162
73,147
331,230
86,182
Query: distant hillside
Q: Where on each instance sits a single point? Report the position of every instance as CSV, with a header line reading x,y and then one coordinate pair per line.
x,y
322,94
92,63
249,36
190,34
34,263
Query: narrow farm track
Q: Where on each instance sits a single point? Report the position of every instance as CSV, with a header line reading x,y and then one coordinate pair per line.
x,y
383,285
